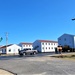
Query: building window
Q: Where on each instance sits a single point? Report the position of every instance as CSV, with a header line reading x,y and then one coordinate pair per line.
x,y
29,45
9,50
59,44
65,39
60,39
23,45
42,43
5,50
49,43
42,47
18,49
46,47
49,47
2,50
54,43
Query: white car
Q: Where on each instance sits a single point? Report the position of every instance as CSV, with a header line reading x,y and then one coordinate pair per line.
x,y
27,51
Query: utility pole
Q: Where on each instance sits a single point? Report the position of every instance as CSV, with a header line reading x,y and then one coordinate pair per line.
x,y
73,19
6,34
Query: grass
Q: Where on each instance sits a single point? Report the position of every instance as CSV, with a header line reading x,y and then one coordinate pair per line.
x,y
71,56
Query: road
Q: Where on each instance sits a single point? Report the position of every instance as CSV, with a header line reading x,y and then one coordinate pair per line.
x,y
37,65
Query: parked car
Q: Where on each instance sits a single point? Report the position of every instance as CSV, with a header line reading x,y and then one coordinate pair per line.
x,y
27,52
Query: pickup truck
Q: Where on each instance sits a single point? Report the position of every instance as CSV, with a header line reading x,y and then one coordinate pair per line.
x,y
26,52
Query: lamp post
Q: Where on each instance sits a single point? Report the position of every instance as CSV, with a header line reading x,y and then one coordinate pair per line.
x,y
6,40
73,19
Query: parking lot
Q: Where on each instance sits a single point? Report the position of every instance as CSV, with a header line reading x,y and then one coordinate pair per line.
x,y
39,64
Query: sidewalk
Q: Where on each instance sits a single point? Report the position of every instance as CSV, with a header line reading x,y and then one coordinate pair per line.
x,y
4,72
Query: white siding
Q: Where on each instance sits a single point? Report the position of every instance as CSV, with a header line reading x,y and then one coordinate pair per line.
x,y
13,49
48,46
25,46
42,47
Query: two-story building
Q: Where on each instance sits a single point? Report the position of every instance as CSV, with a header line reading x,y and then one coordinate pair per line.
x,y
67,39
45,45
25,45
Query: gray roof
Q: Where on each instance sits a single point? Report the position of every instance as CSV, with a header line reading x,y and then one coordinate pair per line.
x,y
67,34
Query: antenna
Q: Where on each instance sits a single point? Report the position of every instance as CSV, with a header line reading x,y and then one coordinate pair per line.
x,y
6,38
6,34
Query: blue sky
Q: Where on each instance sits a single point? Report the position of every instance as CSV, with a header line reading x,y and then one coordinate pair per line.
x,y
28,20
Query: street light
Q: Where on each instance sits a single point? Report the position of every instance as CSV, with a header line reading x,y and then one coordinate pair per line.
x,y
73,19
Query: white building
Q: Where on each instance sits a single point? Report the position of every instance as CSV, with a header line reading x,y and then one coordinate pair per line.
x,y
45,45
67,39
25,45
11,49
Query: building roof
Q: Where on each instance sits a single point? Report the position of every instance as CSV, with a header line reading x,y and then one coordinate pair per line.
x,y
48,41
66,34
26,43
6,46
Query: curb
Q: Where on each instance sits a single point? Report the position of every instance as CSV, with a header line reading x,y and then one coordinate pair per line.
x,y
8,71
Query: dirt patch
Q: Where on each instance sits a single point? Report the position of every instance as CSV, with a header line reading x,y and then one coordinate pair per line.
x,y
5,72
71,56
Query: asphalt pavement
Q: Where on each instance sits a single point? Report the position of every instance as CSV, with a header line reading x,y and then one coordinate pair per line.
x,y
40,64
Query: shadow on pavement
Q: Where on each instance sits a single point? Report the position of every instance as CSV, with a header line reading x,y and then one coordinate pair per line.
x,y
10,57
